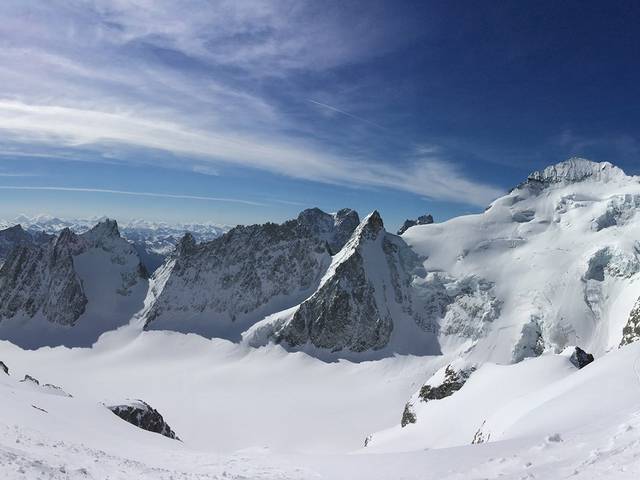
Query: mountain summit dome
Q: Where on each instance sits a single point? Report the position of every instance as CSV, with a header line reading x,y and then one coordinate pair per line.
x,y
576,170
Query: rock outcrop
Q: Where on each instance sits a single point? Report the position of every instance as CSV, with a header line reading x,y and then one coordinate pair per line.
x,y
631,331
443,384
453,380
422,220
580,358
143,416
4,367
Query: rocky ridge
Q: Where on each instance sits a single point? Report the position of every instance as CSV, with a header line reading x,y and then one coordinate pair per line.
x,y
144,416
221,287
46,280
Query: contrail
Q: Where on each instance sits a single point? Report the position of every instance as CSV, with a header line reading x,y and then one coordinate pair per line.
x,y
138,194
348,114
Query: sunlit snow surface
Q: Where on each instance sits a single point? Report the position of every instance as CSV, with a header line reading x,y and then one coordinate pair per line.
x,y
265,413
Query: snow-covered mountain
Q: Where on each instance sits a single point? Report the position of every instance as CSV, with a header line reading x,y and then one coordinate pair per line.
x,y
71,288
11,237
222,287
364,302
153,240
562,253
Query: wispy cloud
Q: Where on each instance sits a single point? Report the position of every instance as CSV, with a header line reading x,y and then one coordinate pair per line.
x,y
212,83
356,117
133,193
427,175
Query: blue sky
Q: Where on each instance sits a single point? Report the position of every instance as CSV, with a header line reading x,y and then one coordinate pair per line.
x,y
247,111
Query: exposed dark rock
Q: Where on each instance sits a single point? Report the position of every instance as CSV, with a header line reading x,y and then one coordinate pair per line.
x,y
480,436
580,358
42,278
4,367
408,416
631,331
14,236
352,309
453,381
30,379
422,220
143,416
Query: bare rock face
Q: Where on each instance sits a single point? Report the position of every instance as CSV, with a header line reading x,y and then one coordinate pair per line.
x,y
408,415
422,220
580,358
453,381
43,278
631,331
4,367
366,288
14,236
143,416
220,287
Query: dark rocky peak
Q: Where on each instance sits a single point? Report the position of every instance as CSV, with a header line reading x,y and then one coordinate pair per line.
x,y
186,245
335,229
67,242
107,228
370,227
66,236
580,358
16,231
347,215
143,416
421,220
12,237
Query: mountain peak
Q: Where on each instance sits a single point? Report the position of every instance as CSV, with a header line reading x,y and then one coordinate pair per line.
x,y
105,228
576,170
186,244
425,219
373,223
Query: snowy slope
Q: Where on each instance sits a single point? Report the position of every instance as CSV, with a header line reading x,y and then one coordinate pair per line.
x,y
265,413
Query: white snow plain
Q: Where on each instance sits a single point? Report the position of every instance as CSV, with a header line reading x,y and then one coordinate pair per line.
x,y
246,413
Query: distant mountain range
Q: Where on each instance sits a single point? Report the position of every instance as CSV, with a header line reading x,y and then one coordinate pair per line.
x,y
152,240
